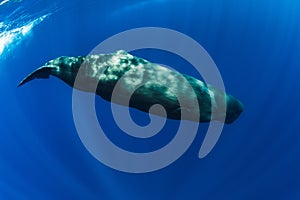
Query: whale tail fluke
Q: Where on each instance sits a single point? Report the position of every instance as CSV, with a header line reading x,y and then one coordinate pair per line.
x,y
42,72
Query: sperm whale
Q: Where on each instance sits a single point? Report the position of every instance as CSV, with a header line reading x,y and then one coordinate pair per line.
x,y
146,82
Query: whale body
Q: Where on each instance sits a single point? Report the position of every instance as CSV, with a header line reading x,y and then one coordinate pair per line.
x,y
144,83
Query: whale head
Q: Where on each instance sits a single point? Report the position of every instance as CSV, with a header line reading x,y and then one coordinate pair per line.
x,y
233,110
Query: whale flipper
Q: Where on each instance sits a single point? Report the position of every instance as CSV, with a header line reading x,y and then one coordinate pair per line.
x,y
101,73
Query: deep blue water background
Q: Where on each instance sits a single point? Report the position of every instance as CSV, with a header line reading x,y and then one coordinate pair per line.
x,y
256,46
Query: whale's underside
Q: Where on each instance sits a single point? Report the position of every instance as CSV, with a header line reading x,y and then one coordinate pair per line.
x,y
128,80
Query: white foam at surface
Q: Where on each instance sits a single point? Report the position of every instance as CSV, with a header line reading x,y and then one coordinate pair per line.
x,y
9,38
3,2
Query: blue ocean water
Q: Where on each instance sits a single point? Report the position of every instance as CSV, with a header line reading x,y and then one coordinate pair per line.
x,y
256,46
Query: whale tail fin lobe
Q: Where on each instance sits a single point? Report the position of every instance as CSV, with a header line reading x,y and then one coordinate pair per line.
x,y
42,72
